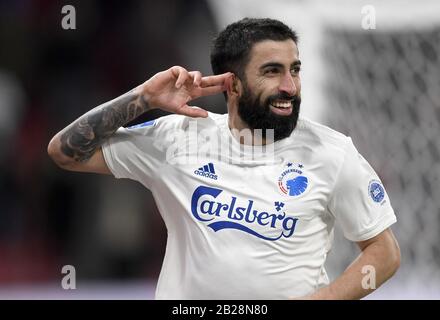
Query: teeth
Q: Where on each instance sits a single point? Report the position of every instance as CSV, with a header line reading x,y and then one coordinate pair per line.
x,y
285,105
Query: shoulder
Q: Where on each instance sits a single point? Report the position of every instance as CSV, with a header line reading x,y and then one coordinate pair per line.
x,y
174,123
323,142
320,134
185,123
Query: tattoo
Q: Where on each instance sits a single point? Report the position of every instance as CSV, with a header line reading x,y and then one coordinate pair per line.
x,y
87,133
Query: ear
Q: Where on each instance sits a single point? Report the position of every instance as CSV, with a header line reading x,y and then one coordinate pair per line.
x,y
234,86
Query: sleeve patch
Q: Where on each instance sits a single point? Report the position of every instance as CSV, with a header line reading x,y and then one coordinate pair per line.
x,y
144,124
376,191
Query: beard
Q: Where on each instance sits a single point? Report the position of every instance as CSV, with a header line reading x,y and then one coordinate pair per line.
x,y
258,115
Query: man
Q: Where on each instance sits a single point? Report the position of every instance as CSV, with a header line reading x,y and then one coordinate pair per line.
x,y
256,227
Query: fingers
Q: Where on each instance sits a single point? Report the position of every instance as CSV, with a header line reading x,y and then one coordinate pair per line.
x,y
217,80
182,75
197,76
215,84
193,112
208,91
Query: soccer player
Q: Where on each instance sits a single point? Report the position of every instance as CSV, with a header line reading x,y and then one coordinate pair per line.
x,y
242,223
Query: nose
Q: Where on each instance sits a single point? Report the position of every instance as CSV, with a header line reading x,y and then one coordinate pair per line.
x,y
287,85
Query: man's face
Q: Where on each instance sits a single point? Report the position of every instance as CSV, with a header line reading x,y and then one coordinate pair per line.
x,y
271,91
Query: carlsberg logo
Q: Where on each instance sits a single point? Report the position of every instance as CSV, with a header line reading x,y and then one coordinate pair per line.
x,y
239,215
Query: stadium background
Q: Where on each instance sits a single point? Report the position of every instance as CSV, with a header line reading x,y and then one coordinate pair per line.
x,y
379,86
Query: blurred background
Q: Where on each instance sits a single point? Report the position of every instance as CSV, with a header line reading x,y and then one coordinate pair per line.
x,y
379,85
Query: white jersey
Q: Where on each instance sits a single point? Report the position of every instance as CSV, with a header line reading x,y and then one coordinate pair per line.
x,y
243,228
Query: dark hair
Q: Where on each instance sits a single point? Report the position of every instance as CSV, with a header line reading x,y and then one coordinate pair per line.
x,y
231,48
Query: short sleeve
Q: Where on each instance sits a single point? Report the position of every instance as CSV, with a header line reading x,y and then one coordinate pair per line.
x,y
359,201
139,152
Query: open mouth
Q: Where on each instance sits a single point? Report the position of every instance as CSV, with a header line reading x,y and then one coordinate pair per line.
x,y
281,107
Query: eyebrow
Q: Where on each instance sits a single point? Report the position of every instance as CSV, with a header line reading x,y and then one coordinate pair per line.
x,y
279,65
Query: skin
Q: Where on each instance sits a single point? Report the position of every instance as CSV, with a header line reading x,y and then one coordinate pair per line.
x,y
382,252
78,146
272,68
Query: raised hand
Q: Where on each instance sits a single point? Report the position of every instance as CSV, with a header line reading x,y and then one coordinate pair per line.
x,y
172,89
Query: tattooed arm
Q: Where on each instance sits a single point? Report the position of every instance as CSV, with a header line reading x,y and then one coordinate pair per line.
x,y
78,146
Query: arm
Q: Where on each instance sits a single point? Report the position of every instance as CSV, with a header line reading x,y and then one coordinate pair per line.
x,y
78,146
382,252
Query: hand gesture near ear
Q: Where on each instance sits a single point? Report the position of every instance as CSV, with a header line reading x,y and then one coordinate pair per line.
x,y
172,89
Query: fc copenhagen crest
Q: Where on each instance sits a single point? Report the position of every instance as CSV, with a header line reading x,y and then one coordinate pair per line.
x,y
376,191
292,181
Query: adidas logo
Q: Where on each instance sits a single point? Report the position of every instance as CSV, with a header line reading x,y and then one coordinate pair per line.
x,y
207,171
